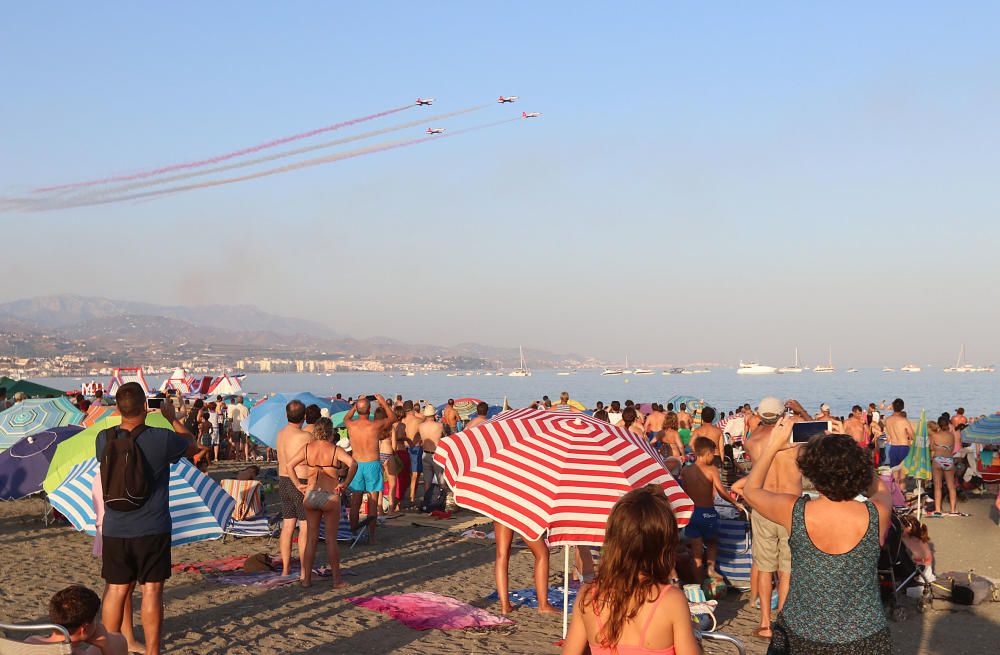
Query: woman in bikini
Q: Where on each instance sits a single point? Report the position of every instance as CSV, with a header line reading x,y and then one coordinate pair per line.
x,y
631,608
322,491
942,465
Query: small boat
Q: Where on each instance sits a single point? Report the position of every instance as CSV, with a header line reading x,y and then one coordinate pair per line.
x,y
409,374
674,371
563,373
521,371
795,368
612,371
888,369
700,371
910,368
643,371
627,370
852,370
451,375
753,368
829,366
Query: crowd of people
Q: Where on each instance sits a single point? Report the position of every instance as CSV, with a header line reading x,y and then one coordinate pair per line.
x,y
818,550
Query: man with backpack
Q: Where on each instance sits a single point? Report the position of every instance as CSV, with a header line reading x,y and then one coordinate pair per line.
x,y
135,476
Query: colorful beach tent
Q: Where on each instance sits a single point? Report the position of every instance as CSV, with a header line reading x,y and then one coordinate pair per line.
x,y
81,447
268,417
23,466
122,375
985,431
34,415
199,507
917,463
29,389
225,385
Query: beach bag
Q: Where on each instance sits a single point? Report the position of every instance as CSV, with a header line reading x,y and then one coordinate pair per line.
x,y
435,499
258,563
394,465
123,470
969,588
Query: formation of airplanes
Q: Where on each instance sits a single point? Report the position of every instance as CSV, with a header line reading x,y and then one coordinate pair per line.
x,y
501,100
504,99
435,130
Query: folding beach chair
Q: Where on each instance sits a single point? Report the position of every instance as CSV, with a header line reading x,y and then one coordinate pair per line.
x,y
248,519
721,637
10,646
344,528
735,555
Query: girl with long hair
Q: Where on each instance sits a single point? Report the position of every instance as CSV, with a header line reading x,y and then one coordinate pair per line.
x,y
631,608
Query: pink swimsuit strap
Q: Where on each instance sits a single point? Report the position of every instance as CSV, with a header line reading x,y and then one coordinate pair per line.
x,y
636,649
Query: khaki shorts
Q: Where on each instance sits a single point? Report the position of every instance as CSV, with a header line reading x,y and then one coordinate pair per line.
x,y
770,545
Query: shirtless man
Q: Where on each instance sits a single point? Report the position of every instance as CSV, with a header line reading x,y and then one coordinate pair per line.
x,y
959,418
684,421
411,426
854,427
708,430
752,419
700,482
824,413
365,435
482,409
430,432
770,540
654,422
449,417
291,440
900,434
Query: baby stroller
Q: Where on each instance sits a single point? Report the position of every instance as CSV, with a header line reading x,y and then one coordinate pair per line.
x,y
897,572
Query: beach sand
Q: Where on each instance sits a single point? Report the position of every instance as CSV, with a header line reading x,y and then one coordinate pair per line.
x,y
208,618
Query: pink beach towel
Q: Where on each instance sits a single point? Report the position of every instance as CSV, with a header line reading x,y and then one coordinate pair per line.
x,y
97,496
428,611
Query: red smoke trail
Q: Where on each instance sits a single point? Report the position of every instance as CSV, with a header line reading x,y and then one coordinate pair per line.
x,y
350,154
279,155
220,158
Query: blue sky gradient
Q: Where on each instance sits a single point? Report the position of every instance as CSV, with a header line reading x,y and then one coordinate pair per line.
x,y
706,183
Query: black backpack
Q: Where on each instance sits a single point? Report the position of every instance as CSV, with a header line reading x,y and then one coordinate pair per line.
x,y
434,499
123,470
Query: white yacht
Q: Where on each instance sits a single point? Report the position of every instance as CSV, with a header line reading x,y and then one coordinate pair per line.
x,y
829,365
962,366
698,371
627,370
674,371
795,368
612,371
888,369
753,368
521,371
642,371
910,368
852,370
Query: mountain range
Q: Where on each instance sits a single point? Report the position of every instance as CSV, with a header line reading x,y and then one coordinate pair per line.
x,y
57,324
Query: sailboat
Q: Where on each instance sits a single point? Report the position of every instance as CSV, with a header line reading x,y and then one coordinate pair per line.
x,y
797,368
627,370
521,371
829,366
962,366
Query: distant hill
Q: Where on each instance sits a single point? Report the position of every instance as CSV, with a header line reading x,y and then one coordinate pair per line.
x,y
60,323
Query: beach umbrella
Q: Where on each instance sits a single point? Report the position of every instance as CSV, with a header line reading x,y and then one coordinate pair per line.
x,y
338,418
268,417
561,472
31,416
23,466
199,507
465,407
98,413
694,406
985,431
82,446
917,463
29,389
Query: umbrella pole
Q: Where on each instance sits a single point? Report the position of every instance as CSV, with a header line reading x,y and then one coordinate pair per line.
x,y
565,589
920,501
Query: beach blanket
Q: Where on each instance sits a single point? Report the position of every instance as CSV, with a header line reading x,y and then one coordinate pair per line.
x,y
268,579
426,610
528,597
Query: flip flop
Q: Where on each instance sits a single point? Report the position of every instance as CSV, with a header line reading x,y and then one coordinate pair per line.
x,y
758,633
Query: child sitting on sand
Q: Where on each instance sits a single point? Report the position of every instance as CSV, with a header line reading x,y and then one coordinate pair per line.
x,y
631,607
75,608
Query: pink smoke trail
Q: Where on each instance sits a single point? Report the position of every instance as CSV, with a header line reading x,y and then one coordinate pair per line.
x,y
279,155
220,158
350,154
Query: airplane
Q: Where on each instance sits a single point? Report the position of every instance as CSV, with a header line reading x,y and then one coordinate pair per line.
x,y
425,101
435,130
503,99
530,114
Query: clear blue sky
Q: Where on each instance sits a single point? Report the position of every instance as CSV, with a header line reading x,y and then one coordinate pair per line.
x,y
706,182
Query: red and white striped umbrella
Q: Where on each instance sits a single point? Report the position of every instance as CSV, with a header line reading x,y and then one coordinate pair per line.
x,y
536,470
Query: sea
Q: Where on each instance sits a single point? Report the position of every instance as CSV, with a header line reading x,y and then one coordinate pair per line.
x,y
932,389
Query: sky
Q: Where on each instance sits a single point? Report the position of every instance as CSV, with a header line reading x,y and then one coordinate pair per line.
x,y
706,183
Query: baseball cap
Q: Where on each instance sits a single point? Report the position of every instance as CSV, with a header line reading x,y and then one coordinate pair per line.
x,y
429,410
771,407
824,408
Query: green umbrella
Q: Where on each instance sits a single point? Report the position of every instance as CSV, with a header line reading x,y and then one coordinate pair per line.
x,y
918,461
29,389
338,418
81,447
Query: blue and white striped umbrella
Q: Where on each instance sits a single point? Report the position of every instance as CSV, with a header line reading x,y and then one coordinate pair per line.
x,y
985,431
199,507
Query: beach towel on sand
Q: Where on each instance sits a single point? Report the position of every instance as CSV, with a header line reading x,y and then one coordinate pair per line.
x,y
269,579
428,611
528,597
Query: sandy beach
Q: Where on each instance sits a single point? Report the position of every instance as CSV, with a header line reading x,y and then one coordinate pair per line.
x,y
416,553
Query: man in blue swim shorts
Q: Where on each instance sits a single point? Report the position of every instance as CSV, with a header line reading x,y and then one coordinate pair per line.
x,y
899,432
364,434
